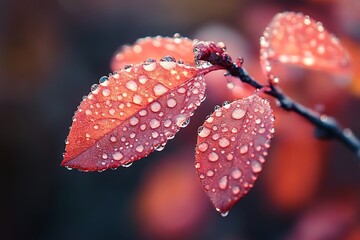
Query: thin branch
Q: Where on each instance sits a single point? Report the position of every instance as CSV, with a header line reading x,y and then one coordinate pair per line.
x,y
326,127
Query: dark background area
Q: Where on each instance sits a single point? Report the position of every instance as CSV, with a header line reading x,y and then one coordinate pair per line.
x,y
52,51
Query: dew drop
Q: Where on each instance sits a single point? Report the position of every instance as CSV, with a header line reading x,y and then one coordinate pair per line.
x,y
137,99
171,102
223,182
213,157
149,64
185,123
210,173
106,92
197,165
155,107
235,190
104,156
131,85
204,132
168,62
103,79
224,142
203,147
236,173
133,121
244,149
143,79
256,166
154,123
113,138
117,156
159,89
238,113
94,89
126,165
139,148
160,147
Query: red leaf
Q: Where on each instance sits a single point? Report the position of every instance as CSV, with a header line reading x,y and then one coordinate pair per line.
x,y
297,39
231,147
180,48
131,114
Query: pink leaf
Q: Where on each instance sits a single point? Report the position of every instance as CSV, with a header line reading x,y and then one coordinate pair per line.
x,y
181,48
297,39
231,147
131,114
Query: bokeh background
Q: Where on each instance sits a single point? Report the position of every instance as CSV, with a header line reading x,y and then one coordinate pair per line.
x,y
52,51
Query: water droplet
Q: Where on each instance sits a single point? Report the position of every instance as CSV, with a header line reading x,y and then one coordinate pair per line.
x,y
224,142
142,113
117,156
256,166
168,62
235,190
244,149
160,147
197,165
133,121
139,148
185,123
131,85
238,113
236,173
126,165
258,121
155,107
210,173
113,138
229,157
215,136
94,89
159,89
106,92
137,99
213,157
104,156
171,102
143,79
204,132
223,182
103,79
149,64
203,147
154,123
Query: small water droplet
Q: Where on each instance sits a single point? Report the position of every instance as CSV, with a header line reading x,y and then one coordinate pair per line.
x,y
256,166
103,79
117,156
224,142
94,88
160,147
223,182
154,123
197,165
159,89
236,173
203,147
213,157
238,113
244,149
185,123
235,190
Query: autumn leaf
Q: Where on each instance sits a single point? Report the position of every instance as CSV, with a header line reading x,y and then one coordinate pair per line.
x,y
231,147
132,113
181,48
294,38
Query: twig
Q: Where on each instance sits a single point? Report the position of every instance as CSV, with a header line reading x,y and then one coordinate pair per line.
x,y
326,127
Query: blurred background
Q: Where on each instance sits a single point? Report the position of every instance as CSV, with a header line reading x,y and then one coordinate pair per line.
x,y
52,51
